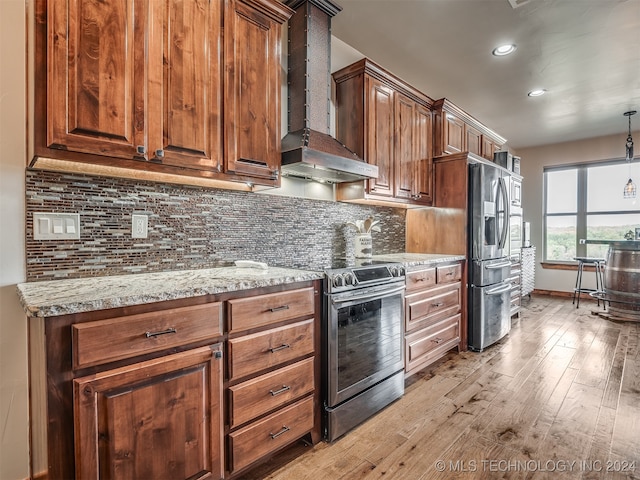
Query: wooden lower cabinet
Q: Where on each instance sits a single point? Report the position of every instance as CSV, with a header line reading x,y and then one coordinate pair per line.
x,y
156,419
168,391
271,433
433,314
272,395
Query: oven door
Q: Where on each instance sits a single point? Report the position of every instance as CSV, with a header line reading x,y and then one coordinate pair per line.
x,y
364,339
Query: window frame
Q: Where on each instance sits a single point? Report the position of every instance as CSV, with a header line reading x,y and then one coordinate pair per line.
x,y
581,212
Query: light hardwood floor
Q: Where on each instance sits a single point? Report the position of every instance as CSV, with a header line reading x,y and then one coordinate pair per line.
x,y
559,397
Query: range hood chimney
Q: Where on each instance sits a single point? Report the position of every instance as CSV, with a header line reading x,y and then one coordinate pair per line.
x,y
308,149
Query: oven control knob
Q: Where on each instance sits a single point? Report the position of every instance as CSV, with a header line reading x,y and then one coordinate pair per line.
x,y
337,280
349,278
395,271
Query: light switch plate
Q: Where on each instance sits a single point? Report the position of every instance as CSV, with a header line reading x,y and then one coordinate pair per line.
x,y
56,226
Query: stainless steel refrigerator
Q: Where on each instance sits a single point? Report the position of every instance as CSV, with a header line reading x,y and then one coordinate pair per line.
x,y
489,264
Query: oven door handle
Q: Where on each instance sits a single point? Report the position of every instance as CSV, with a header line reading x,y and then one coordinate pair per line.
x,y
379,294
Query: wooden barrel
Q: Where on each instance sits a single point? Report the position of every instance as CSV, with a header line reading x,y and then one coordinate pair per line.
x,y
622,280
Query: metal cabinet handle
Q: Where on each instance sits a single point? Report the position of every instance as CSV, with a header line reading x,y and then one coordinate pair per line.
x,y
439,304
141,149
278,392
437,340
285,429
161,332
281,347
279,309
160,153
449,274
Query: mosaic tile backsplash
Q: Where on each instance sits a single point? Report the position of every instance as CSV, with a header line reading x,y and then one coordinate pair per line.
x,y
190,227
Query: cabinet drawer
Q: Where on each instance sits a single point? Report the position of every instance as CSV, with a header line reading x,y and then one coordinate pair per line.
x,y
267,392
102,341
449,273
259,351
247,313
269,434
428,344
420,279
424,308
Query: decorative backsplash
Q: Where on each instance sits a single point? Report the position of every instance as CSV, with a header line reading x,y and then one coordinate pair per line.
x,y
190,227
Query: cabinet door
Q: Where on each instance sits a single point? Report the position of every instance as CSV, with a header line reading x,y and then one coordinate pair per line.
x,y
185,115
404,155
380,129
156,419
474,140
488,148
252,87
423,161
96,69
453,133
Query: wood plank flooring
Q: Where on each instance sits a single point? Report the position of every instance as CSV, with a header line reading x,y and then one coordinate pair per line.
x,y
558,398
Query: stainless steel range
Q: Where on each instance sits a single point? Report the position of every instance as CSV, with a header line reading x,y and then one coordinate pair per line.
x,y
363,360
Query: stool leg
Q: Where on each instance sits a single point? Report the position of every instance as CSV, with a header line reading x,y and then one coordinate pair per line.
x,y
579,283
575,289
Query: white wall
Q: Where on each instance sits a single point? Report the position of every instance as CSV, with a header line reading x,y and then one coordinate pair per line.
x,y
14,427
532,164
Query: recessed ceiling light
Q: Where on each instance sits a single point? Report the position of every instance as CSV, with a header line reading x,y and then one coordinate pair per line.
x,y
537,93
503,50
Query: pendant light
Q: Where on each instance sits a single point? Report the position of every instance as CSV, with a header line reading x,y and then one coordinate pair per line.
x,y
630,187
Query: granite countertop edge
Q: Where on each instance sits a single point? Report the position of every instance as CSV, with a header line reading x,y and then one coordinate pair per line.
x,y
417,259
70,296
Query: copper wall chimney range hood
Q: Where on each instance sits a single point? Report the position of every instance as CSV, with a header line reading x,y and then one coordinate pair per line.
x,y
308,149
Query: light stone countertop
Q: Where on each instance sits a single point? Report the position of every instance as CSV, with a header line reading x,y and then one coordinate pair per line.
x,y
62,297
416,259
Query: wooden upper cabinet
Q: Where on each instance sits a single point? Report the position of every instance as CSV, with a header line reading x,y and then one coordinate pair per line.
x,y
453,135
144,84
422,185
96,69
456,131
388,123
380,132
405,138
185,111
488,148
473,139
252,86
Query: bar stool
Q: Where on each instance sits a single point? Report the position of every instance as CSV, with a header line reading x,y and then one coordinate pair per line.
x,y
598,264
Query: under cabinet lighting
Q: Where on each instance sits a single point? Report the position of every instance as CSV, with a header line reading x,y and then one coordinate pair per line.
x,y
503,50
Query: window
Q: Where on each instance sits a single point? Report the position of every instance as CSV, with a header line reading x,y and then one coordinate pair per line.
x,y
585,201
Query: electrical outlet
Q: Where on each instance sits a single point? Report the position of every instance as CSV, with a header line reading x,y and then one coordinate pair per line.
x,y
139,226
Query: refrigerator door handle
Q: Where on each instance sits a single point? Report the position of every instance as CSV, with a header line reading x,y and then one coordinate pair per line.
x,y
493,266
499,290
505,223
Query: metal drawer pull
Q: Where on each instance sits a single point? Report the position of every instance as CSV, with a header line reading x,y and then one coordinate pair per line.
x,y
285,429
449,274
281,347
161,332
278,309
278,392
421,279
439,304
437,340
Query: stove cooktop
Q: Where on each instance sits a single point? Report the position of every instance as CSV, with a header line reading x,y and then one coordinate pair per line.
x,y
357,274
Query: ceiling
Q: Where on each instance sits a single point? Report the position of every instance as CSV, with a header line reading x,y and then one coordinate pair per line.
x,y
585,53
